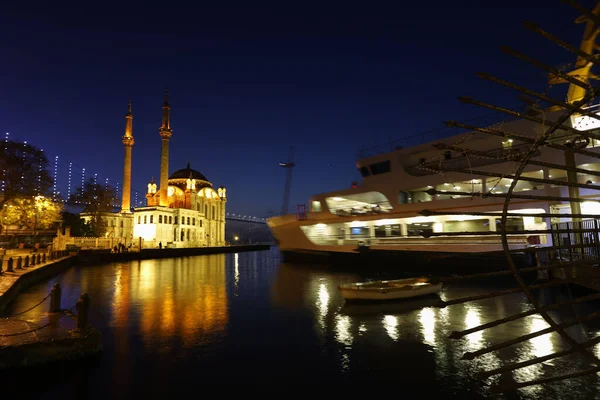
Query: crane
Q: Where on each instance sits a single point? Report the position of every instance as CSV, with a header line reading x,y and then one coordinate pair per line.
x,y
289,166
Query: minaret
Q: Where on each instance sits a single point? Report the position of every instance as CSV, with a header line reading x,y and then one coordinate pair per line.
x,y
128,143
165,133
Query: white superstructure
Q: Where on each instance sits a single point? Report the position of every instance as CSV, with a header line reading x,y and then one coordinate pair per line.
x,y
382,211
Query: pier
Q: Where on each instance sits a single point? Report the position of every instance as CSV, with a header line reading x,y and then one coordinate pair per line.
x,y
56,335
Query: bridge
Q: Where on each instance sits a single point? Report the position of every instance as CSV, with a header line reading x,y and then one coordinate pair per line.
x,y
245,218
69,176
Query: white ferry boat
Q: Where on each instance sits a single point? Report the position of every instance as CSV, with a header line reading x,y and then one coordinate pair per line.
x,y
382,215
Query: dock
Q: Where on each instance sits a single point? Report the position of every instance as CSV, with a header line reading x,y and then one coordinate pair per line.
x,y
49,337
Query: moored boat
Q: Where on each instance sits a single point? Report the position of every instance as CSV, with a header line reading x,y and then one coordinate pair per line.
x,y
390,289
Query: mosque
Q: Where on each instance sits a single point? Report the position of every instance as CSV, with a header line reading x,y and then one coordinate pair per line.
x,y
183,210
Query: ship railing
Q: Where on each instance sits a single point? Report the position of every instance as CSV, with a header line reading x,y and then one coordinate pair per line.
x,y
523,239
496,156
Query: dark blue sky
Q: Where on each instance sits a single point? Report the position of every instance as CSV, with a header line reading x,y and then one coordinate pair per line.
x,y
246,83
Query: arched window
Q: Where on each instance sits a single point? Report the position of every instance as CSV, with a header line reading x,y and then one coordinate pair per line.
x,y
188,221
193,221
170,220
206,211
160,219
214,215
145,216
152,219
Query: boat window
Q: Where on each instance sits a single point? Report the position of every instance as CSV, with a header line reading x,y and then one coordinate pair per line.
x,y
380,167
403,198
419,195
420,229
364,172
316,206
359,204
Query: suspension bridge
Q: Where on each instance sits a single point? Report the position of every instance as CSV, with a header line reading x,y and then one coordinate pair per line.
x,y
68,177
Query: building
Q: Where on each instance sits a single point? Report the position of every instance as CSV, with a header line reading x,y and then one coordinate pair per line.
x,y
183,210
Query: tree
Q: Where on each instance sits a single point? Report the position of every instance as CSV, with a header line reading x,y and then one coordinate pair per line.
x,y
24,170
96,201
37,212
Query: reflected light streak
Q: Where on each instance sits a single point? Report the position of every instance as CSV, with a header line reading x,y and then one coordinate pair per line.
x,y
541,345
322,304
427,320
362,328
342,329
236,265
538,347
390,323
472,320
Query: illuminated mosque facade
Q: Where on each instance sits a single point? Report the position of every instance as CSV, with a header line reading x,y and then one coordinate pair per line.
x,y
183,210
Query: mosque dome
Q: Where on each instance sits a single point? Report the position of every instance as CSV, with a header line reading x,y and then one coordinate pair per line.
x,y
185,174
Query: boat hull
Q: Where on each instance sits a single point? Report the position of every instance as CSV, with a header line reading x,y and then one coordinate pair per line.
x,y
415,262
384,294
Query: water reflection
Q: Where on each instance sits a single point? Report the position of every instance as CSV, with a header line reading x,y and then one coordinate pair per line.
x,y
322,304
390,323
540,345
427,320
184,300
286,322
342,328
473,319
236,272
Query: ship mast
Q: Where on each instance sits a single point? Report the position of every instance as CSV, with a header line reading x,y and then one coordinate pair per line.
x,y
582,69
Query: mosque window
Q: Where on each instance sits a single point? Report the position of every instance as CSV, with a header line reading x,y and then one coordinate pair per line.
x,y
175,220
160,219
170,219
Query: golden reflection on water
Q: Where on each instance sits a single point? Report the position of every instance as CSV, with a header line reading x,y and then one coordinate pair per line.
x,y
390,323
322,304
473,319
236,276
427,319
540,345
185,298
343,334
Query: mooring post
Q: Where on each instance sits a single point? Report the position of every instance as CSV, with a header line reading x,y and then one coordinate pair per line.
x,y
19,263
26,264
44,257
9,267
83,309
55,295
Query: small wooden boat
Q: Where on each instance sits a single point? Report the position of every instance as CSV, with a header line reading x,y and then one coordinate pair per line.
x,y
390,289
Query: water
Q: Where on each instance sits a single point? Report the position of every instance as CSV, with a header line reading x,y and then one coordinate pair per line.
x,y
175,325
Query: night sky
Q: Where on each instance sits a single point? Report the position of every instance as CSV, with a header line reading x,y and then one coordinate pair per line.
x,y
247,83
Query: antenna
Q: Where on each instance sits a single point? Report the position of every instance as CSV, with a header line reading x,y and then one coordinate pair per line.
x,y
289,166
